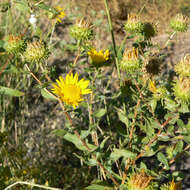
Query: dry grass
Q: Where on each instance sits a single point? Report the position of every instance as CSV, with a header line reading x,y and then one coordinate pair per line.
x,y
151,10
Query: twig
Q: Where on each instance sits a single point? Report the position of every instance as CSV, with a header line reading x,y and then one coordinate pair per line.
x,y
39,81
3,68
152,141
169,39
133,124
31,184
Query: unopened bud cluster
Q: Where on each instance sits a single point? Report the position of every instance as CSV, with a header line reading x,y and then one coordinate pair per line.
x,y
181,86
82,30
179,23
140,181
31,51
15,44
35,52
130,62
183,67
134,25
181,89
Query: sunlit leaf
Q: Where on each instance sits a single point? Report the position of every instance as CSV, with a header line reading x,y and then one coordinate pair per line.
x,y
10,91
118,153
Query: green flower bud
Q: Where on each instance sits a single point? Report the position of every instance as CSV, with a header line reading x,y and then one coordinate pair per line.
x,y
134,24
179,23
35,52
181,89
82,30
130,62
183,67
15,44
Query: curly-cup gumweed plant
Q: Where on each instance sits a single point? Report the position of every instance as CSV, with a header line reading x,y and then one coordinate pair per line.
x,y
125,117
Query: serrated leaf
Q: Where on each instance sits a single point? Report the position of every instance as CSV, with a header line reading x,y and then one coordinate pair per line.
x,y
100,113
118,153
10,91
47,95
161,157
59,132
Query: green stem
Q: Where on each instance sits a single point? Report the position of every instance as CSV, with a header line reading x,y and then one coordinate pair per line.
x,y
113,39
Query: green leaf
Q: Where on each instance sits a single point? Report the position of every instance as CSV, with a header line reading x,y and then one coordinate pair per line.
x,y
98,187
150,152
10,91
2,42
47,95
117,153
153,104
170,105
47,8
22,5
161,157
100,113
178,147
187,139
184,108
78,143
84,133
123,118
180,123
59,132
103,142
163,137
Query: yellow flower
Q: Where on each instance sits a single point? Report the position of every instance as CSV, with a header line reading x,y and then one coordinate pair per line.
x,y
99,57
70,90
175,186
60,15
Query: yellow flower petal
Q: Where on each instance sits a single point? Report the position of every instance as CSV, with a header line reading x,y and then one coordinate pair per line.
x,y
99,57
70,90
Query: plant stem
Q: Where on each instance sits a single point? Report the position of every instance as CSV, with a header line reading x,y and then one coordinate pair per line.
x,y
31,184
75,131
113,39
